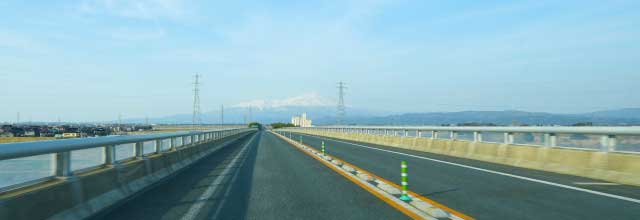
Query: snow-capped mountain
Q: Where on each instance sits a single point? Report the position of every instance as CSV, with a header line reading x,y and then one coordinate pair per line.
x,y
321,110
265,111
305,100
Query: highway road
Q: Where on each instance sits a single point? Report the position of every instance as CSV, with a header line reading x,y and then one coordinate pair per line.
x,y
490,191
257,177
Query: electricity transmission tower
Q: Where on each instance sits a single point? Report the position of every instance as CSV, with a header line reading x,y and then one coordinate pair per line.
x,y
196,120
341,107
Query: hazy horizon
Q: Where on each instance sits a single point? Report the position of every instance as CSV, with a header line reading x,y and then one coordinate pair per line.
x,y
91,60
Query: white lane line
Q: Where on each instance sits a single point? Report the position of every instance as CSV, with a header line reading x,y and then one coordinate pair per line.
x,y
228,191
498,173
596,183
198,204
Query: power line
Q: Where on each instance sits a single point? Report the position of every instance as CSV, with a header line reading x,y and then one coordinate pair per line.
x,y
196,120
341,106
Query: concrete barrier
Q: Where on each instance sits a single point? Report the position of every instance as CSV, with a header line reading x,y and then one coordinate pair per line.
x,y
90,192
618,167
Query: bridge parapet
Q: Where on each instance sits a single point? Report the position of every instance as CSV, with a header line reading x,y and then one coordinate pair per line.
x,y
607,153
70,191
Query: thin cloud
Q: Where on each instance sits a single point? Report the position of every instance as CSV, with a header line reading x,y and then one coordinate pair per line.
x,y
142,9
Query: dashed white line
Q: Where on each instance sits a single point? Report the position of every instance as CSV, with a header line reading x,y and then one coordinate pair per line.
x,y
497,172
197,205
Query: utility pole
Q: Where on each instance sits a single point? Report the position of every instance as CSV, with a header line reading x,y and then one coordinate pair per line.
x,y
222,115
196,120
245,118
119,121
341,107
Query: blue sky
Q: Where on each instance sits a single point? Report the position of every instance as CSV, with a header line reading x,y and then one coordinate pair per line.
x,y
90,60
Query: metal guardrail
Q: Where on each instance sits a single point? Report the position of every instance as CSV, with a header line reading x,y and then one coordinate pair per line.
x,y
61,149
608,135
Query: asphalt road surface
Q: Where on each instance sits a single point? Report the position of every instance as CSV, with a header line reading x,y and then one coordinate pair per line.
x,y
257,177
490,191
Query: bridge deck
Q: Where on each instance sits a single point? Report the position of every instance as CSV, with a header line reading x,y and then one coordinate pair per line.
x,y
270,180
485,195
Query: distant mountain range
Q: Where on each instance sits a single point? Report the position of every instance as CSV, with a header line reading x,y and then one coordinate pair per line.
x,y
629,116
323,110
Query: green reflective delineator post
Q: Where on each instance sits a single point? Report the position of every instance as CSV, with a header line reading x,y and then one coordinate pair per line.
x,y
323,149
405,184
300,139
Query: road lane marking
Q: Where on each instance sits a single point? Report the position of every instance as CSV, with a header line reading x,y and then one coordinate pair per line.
x,y
228,191
416,195
358,182
637,201
195,208
596,183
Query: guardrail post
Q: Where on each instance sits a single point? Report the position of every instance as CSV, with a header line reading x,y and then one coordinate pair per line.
x,y
508,138
434,134
550,140
477,136
453,135
62,164
138,149
109,155
159,146
173,141
418,134
406,133
608,143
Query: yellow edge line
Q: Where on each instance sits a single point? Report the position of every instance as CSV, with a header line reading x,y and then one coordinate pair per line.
x,y
434,203
357,182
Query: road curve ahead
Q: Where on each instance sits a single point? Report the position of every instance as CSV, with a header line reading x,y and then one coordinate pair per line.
x,y
489,191
258,177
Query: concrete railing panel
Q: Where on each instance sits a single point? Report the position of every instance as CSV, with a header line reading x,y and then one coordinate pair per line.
x,y
619,167
87,193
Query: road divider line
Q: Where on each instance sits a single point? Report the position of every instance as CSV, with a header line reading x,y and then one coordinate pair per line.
x,y
613,196
195,208
383,191
596,183
411,193
229,188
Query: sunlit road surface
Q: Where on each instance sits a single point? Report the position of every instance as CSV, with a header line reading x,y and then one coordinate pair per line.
x,y
490,191
258,177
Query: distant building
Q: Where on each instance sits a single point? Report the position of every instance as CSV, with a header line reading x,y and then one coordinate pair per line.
x,y
70,135
301,121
